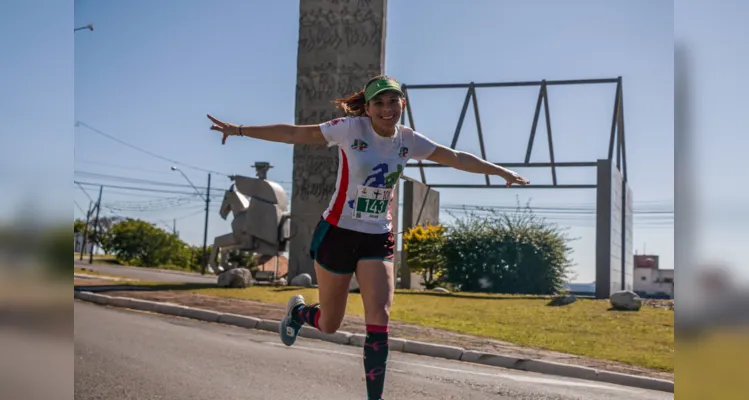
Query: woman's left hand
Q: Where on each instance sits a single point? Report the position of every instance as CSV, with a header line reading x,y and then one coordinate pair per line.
x,y
513,177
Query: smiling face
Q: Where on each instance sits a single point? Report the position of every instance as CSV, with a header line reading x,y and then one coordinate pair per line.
x,y
385,110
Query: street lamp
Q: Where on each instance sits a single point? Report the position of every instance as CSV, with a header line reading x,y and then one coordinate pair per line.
x,y
89,27
207,200
188,181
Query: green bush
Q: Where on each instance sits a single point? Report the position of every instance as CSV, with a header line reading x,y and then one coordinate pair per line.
x,y
515,252
423,246
196,256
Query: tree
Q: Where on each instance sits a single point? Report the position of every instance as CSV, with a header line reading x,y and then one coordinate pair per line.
x,y
137,242
515,252
103,238
79,226
423,246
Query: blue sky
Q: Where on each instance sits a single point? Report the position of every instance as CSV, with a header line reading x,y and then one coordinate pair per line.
x,y
150,71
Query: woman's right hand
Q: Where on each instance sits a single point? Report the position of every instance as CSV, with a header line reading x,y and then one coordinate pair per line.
x,y
226,128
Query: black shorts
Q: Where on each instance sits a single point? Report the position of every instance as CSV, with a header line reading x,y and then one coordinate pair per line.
x,y
338,250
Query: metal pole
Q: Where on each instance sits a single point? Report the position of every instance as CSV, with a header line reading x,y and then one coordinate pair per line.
x,y
85,228
96,226
275,269
205,230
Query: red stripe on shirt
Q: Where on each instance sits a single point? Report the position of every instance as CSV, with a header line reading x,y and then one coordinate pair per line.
x,y
335,214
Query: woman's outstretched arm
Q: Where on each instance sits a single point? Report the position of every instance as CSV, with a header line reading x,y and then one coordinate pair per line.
x,y
283,133
470,163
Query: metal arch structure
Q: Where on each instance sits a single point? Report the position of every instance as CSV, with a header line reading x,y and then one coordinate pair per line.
x,y
616,137
614,255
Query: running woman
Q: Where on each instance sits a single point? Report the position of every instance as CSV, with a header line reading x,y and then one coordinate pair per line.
x,y
354,234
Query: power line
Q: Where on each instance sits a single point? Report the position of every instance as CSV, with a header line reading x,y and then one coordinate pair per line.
x,y
576,207
568,210
79,207
146,207
572,210
150,193
190,215
125,179
145,195
86,193
134,188
133,180
652,215
150,153
130,168
158,200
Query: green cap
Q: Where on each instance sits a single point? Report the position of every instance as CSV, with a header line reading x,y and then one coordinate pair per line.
x,y
379,86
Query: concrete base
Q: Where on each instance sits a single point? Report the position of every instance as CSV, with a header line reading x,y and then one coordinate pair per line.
x,y
614,247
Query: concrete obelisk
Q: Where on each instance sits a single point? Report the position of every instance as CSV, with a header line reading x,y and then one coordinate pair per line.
x,y
341,46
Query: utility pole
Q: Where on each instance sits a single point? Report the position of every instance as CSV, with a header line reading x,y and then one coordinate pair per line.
x,y
96,226
174,226
207,205
205,229
85,228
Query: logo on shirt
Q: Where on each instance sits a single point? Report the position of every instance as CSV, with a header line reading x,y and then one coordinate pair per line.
x,y
403,152
359,145
335,121
380,178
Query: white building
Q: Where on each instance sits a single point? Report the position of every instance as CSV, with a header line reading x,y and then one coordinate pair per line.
x,y
78,243
650,280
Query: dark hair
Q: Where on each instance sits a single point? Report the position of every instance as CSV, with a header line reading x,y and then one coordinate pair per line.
x,y
354,103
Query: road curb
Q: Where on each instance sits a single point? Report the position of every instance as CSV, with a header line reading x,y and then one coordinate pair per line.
x,y
433,350
396,344
567,370
241,321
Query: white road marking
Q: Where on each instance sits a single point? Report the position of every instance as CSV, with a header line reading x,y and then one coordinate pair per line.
x,y
515,377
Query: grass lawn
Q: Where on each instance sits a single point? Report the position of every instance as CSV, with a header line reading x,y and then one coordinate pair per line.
x,y
586,327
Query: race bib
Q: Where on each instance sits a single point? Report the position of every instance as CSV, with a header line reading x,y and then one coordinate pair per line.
x,y
372,203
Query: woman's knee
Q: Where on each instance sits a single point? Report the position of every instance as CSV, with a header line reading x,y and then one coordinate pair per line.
x,y
328,325
333,297
379,315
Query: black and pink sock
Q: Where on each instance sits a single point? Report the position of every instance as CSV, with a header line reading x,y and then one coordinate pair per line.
x,y
376,349
308,314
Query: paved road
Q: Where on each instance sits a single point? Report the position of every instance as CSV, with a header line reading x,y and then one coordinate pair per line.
x,y
148,274
123,354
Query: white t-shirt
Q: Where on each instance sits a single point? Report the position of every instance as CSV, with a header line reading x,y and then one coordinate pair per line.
x,y
368,160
